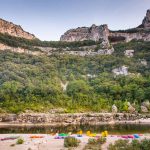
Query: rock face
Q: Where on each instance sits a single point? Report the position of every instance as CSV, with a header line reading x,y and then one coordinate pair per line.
x,y
94,33
14,30
19,50
146,21
74,119
90,53
102,32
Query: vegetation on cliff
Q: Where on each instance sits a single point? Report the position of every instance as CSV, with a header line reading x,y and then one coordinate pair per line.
x,y
29,44
34,82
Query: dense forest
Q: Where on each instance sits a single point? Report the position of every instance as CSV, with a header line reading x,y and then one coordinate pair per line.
x,y
34,82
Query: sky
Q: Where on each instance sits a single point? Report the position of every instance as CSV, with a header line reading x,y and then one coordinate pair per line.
x,y
49,19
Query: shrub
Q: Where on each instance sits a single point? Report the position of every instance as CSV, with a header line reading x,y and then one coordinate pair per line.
x,y
20,141
119,145
92,141
145,144
71,142
134,145
101,140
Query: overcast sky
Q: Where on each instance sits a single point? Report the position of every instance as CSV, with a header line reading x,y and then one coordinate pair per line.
x,y
49,19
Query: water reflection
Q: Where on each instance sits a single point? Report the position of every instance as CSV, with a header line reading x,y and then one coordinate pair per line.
x,y
113,129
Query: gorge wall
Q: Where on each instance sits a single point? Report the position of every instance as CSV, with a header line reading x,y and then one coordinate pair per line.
x,y
79,118
102,32
14,30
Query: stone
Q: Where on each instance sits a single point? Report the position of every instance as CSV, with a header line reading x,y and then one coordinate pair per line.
x,y
131,109
94,33
129,53
114,109
64,85
144,109
146,20
14,30
146,104
121,71
143,62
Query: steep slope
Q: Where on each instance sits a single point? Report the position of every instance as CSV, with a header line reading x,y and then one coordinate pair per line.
x,y
101,32
14,30
146,20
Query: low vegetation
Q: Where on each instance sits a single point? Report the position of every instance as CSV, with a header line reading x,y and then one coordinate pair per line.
x,y
71,142
95,144
20,141
134,145
29,44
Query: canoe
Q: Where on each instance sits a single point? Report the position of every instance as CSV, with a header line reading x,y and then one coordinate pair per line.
x,y
36,137
10,138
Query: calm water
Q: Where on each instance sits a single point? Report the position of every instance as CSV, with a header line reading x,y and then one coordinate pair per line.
x,y
112,129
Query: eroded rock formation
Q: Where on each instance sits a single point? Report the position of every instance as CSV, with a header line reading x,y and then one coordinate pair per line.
x,y
94,33
146,21
14,30
102,32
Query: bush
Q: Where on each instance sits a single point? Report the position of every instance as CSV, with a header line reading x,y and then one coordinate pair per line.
x,y
71,142
92,141
20,141
101,140
119,145
134,145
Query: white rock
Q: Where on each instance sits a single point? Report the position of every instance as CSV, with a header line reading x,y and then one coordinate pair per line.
x,y
121,71
129,53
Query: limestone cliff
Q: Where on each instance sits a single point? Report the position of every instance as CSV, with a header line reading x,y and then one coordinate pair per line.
x,y
94,33
102,32
14,30
146,20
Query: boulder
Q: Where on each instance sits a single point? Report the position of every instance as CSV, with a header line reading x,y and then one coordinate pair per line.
x,y
146,104
123,70
131,109
144,109
94,33
114,109
129,53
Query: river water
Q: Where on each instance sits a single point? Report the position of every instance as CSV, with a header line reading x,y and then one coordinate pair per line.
x,y
112,129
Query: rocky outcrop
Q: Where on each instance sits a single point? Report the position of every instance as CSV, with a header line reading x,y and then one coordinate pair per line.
x,y
76,119
90,53
102,32
131,109
146,21
94,33
19,50
14,30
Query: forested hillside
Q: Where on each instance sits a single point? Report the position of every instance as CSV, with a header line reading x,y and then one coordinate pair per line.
x,y
35,82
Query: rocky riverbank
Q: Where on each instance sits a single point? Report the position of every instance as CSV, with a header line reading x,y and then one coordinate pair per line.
x,y
74,119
